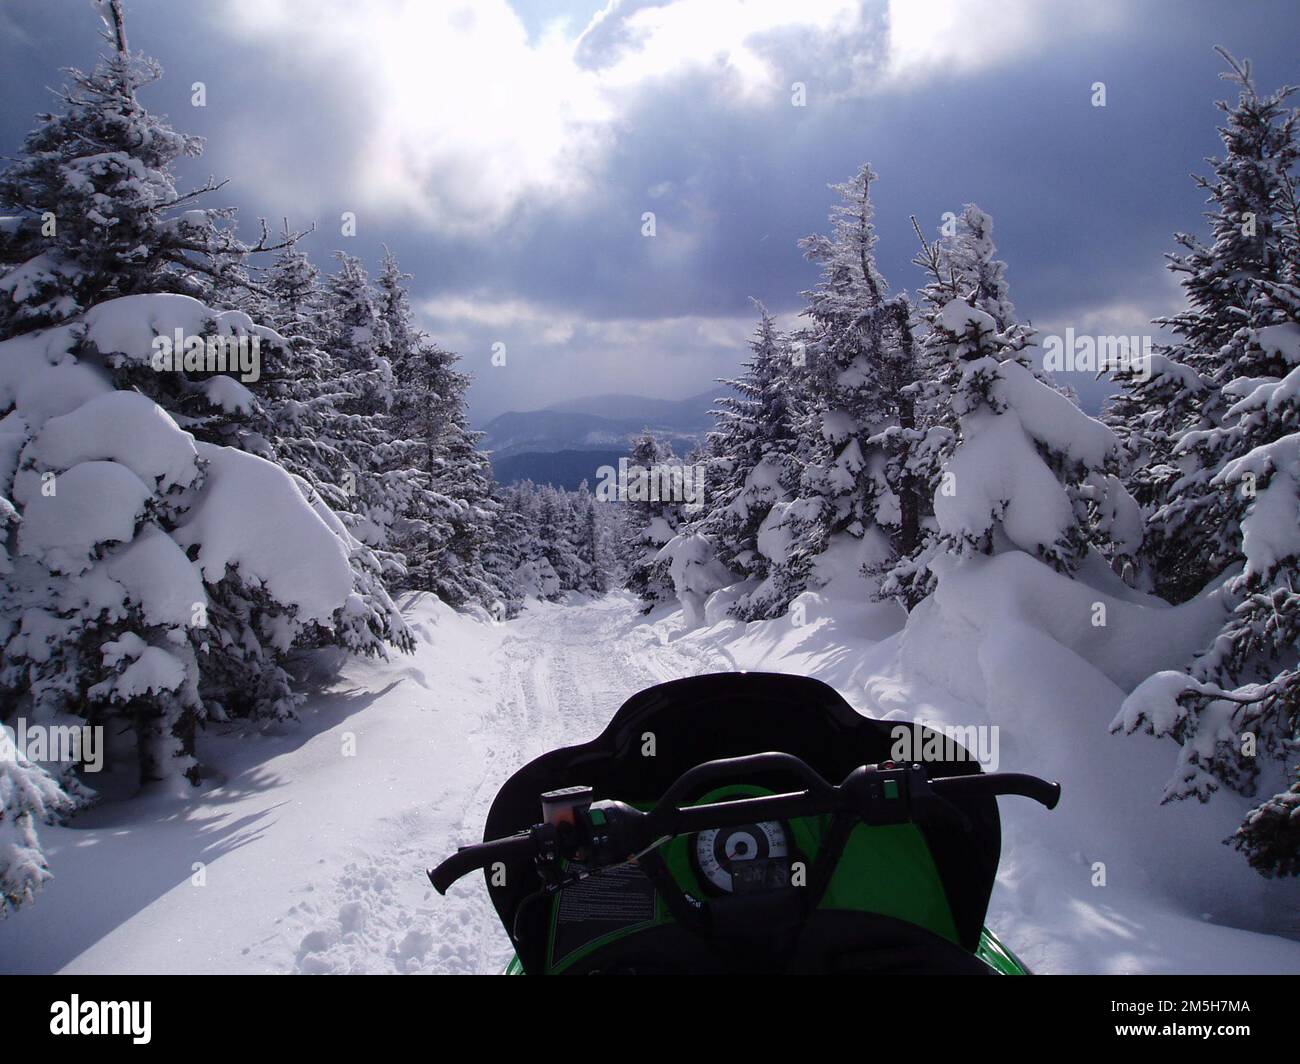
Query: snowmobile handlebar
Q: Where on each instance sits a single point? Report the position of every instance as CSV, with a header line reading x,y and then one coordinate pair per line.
x,y
603,833
481,855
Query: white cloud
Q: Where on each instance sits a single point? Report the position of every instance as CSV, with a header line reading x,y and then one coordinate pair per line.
x,y
463,116
544,325
965,36
455,314
633,44
464,119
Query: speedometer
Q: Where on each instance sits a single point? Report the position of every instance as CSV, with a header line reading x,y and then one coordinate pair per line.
x,y
741,859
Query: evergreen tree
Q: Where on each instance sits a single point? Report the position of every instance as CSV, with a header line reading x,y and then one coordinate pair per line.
x,y
92,209
591,541
447,524
1232,500
651,522
861,366
297,388
555,529
519,558
28,796
1170,420
380,479
1022,472
961,266
751,452
159,566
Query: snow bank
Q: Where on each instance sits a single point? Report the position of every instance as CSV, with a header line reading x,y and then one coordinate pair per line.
x,y
293,835
1117,631
1111,881
1008,641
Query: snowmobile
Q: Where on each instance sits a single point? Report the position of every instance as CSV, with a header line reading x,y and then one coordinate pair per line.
x,y
701,832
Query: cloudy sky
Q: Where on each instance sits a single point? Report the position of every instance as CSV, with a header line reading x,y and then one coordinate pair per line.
x,y
507,152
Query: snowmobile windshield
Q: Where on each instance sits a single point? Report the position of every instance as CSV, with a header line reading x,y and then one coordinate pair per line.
x,y
663,731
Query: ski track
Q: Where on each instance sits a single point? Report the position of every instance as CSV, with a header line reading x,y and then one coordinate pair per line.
x,y
562,673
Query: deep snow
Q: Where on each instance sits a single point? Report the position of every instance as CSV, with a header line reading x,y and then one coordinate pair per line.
x,y
301,858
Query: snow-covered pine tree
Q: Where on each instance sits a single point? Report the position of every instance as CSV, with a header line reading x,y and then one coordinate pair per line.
x,y
751,453
92,213
533,575
612,534
1023,471
448,524
1236,712
508,550
650,523
359,339
380,478
960,265
296,388
1169,421
556,530
155,577
551,540
416,412
91,209
465,479
28,796
591,539
861,363
149,567
300,391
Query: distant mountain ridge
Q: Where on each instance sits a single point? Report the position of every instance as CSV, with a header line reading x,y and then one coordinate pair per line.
x,y
529,444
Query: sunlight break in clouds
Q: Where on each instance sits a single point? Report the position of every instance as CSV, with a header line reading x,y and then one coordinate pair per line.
x,y
465,120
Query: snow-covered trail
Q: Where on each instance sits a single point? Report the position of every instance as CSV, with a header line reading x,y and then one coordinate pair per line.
x,y
309,855
561,672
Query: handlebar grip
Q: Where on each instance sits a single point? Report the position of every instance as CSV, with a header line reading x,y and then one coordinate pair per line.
x,y
1042,792
468,858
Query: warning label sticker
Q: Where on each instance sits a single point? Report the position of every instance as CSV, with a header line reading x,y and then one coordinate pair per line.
x,y
609,901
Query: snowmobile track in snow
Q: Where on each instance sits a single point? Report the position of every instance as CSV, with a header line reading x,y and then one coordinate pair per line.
x,y
561,674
